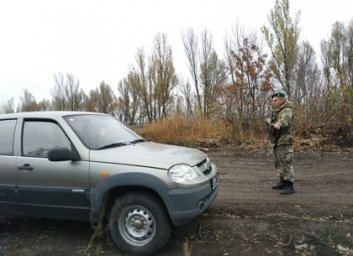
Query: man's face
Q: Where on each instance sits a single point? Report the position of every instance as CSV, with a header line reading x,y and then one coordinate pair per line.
x,y
277,101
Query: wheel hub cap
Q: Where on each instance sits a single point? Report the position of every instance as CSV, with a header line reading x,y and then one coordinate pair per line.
x,y
138,226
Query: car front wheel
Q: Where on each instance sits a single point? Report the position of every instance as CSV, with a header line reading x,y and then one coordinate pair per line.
x,y
139,224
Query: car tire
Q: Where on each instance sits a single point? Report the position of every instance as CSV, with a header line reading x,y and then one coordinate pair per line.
x,y
139,224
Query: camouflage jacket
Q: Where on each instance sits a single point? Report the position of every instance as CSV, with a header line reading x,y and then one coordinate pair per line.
x,y
283,114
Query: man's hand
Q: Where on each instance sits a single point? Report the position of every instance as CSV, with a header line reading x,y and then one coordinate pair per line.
x,y
268,120
277,125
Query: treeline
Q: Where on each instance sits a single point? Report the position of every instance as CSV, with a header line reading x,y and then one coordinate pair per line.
x,y
234,89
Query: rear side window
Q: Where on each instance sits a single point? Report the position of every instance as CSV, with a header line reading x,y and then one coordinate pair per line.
x,y
41,136
7,131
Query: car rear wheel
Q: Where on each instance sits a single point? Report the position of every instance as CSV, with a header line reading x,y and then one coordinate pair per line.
x,y
139,224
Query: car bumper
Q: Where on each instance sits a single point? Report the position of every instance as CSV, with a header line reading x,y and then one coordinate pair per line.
x,y
186,204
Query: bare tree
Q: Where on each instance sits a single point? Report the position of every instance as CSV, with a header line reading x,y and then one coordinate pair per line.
x,y
308,75
66,93
208,72
74,94
164,77
191,47
28,102
349,51
140,78
282,38
58,92
129,102
124,102
337,59
337,54
326,64
186,91
213,77
8,106
101,99
44,105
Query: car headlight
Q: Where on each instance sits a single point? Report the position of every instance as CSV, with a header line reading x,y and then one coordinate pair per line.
x,y
182,173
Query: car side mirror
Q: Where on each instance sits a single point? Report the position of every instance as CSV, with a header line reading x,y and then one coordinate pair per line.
x,y
62,154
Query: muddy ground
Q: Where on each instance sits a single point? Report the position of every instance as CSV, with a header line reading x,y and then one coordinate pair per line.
x,y
247,218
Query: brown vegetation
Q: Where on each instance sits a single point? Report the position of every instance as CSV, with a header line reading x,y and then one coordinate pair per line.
x,y
213,133
187,131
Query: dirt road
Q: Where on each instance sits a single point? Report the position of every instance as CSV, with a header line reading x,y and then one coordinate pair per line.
x,y
247,218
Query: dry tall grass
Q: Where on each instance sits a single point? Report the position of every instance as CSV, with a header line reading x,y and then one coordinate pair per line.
x,y
183,130
310,133
190,131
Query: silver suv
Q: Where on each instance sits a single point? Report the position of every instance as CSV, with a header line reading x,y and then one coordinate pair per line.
x,y
88,166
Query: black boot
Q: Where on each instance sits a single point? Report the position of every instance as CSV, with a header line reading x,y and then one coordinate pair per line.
x,y
288,189
280,184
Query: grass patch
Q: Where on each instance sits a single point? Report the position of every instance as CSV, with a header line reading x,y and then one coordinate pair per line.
x,y
183,130
199,132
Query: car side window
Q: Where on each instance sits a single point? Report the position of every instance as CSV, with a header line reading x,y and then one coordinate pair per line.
x,y
7,131
41,136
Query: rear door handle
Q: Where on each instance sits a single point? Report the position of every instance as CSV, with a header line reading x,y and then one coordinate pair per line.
x,y
26,167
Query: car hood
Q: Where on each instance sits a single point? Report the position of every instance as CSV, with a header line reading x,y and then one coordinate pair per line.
x,y
149,154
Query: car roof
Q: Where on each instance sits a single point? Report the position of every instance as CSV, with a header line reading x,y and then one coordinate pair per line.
x,y
46,114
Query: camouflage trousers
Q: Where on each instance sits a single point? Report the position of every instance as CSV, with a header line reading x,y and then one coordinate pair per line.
x,y
283,159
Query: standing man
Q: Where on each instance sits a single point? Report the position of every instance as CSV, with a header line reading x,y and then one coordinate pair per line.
x,y
282,139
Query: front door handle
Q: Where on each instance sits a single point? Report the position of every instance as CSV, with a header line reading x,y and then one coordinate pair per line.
x,y
26,167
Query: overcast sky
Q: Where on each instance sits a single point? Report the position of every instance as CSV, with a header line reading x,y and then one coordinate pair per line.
x,y
97,40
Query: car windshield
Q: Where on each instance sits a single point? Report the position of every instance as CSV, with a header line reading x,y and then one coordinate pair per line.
x,y
101,131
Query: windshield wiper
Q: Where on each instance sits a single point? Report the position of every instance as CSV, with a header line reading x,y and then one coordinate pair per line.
x,y
137,141
113,145
119,144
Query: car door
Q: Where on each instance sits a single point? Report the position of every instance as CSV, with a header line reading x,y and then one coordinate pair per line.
x,y
45,188
8,200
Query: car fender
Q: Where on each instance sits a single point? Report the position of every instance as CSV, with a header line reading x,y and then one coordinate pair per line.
x,y
143,180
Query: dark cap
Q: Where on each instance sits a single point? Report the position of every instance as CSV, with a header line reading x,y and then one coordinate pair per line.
x,y
278,94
